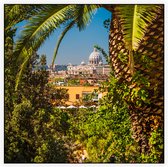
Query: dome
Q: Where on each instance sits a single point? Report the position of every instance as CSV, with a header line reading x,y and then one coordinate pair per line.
x,y
95,57
83,63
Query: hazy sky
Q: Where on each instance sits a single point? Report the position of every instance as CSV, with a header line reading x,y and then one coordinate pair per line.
x,y
77,45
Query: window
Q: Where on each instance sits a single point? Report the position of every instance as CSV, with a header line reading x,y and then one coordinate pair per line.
x,y
77,96
95,97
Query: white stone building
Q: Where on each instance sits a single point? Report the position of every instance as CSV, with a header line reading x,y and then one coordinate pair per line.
x,y
94,66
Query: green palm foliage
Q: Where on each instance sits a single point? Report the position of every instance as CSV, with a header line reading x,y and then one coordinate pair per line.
x,y
135,19
41,25
17,13
68,27
81,17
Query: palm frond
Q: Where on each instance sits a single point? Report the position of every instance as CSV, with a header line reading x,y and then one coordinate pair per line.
x,y
45,21
105,55
38,27
135,19
17,13
26,57
41,25
68,27
22,67
37,30
83,14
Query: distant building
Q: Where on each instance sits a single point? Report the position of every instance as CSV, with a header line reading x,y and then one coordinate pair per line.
x,y
76,93
94,66
57,67
95,58
60,68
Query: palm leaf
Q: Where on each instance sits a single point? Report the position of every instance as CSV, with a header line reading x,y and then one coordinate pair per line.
x,y
17,13
26,57
83,14
46,20
105,55
44,23
135,19
37,30
68,27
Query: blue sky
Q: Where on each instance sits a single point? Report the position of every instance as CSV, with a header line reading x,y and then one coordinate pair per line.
x,y
77,45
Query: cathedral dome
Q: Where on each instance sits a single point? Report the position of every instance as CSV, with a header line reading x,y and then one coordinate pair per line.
x,y
83,63
95,57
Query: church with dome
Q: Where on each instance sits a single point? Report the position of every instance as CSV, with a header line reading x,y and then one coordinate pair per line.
x,y
95,58
94,66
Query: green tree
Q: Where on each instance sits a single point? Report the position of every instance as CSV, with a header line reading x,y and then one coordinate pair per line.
x,y
135,49
34,132
73,82
43,62
59,95
29,125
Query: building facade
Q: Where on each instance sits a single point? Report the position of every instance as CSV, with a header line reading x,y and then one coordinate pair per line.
x,y
94,66
77,93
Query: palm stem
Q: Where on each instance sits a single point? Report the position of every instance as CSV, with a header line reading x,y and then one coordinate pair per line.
x,y
60,39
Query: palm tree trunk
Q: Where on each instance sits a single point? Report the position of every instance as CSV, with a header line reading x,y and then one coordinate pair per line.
x,y
117,48
149,116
